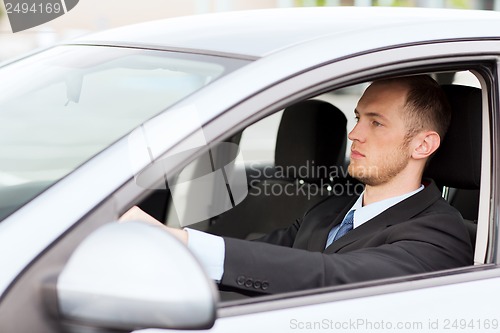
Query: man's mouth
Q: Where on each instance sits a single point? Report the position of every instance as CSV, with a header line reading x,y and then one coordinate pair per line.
x,y
356,154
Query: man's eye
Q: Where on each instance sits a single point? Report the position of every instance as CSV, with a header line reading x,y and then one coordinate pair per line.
x,y
356,118
376,123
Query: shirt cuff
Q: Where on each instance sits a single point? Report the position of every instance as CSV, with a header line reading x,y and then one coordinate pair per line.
x,y
209,250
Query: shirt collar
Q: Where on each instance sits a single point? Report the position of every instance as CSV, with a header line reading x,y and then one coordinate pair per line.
x,y
363,214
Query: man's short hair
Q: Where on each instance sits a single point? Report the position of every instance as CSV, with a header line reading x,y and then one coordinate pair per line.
x,y
426,106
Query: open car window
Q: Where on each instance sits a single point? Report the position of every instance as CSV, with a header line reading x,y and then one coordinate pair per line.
x,y
242,187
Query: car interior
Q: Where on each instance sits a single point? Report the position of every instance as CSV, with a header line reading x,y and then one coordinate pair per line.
x,y
304,161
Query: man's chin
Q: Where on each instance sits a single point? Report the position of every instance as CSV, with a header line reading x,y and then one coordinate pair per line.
x,y
361,174
356,171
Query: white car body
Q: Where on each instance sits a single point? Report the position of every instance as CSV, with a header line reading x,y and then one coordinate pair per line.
x,y
290,53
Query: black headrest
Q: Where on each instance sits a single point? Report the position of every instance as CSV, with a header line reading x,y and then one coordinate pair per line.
x,y
457,162
311,134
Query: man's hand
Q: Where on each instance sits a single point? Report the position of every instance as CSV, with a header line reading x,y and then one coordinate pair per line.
x,y
137,214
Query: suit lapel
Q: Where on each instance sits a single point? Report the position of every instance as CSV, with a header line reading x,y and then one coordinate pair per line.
x,y
331,218
396,214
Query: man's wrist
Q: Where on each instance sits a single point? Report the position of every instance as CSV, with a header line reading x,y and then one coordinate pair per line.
x,y
209,250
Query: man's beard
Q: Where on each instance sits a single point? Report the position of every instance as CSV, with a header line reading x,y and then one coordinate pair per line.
x,y
380,174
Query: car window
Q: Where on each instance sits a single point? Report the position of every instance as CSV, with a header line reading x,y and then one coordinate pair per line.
x,y
61,107
258,141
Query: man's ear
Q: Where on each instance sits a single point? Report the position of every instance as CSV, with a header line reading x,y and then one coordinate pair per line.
x,y
426,143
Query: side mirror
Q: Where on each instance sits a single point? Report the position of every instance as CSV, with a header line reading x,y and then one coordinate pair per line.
x,y
128,276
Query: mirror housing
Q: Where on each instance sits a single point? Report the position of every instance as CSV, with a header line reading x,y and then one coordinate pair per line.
x,y
132,275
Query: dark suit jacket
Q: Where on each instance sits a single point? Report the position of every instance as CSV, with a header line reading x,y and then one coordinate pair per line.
x,y
420,234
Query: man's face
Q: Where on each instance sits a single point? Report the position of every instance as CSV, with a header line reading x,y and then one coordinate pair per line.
x,y
379,150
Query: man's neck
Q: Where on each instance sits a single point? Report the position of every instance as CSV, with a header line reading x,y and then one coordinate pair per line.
x,y
388,190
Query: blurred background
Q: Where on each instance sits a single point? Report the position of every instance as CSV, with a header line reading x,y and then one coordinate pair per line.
x,y
94,15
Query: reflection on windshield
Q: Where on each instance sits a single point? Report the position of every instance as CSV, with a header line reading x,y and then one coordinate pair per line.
x,y
61,107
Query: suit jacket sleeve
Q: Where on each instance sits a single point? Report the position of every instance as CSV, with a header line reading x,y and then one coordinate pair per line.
x,y
283,237
422,244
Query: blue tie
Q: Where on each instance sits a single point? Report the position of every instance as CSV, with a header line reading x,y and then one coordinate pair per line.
x,y
344,228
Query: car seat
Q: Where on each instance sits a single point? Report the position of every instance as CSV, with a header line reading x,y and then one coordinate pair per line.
x,y
456,166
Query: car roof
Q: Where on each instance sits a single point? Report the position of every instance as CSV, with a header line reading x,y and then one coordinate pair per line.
x,y
257,33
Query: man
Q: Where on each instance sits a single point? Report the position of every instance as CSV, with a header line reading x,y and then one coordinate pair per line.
x,y
398,226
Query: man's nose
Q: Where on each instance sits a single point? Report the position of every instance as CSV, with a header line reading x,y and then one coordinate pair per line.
x,y
356,134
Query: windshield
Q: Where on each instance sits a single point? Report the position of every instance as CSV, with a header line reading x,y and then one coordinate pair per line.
x,y
60,107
